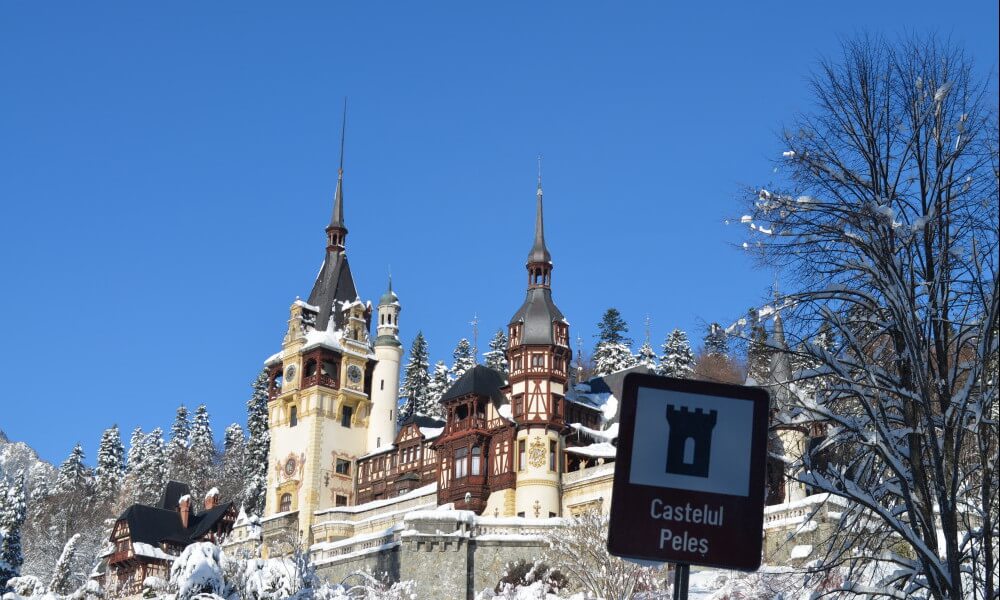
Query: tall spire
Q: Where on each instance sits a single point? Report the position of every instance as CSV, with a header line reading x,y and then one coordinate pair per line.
x,y
336,231
539,252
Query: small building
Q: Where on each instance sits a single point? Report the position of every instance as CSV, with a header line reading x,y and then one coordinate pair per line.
x,y
145,540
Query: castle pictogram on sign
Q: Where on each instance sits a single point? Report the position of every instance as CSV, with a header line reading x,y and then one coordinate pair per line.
x,y
689,446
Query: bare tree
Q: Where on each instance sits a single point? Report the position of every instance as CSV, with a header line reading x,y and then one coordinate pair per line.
x,y
579,549
888,226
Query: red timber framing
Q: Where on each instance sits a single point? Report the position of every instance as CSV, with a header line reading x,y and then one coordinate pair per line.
x,y
320,366
538,367
475,453
409,464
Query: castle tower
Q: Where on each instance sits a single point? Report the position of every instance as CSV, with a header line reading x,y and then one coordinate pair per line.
x,y
385,378
539,356
320,390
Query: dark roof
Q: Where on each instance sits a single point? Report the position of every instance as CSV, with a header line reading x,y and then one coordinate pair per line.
x,y
172,494
537,314
337,218
539,252
614,382
334,286
479,380
153,525
422,421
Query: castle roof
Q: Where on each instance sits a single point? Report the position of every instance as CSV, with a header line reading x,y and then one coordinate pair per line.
x,y
479,380
537,314
539,252
334,286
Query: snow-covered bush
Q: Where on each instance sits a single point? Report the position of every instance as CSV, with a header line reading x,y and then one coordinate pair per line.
x,y
522,574
199,569
26,585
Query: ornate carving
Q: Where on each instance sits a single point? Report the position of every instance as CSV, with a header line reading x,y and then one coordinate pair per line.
x,y
536,452
291,467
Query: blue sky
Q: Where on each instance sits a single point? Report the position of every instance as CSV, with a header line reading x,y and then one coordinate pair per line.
x,y
166,171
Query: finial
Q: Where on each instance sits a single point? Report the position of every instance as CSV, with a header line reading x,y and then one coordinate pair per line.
x,y
648,323
343,132
539,174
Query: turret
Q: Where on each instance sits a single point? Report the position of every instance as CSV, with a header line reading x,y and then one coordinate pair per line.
x,y
385,378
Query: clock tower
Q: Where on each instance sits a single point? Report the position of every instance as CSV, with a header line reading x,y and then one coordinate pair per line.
x,y
320,396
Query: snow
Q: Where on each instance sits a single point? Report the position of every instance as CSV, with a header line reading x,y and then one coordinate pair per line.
x,y
213,493
183,499
274,358
599,450
306,305
327,338
150,551
801,551
788,154
428,489
504,411
430,433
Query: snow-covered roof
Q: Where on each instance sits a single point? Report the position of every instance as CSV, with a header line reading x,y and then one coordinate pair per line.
x,y
430,433
150,551
598,450
609,434
305,305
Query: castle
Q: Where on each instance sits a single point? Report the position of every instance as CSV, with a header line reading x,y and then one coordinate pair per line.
x,y
463,496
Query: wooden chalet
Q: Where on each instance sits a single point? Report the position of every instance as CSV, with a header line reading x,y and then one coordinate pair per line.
x,y
405,465
145,540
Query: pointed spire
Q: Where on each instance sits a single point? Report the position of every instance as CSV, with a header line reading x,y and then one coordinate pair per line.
x,y
337,231
539,253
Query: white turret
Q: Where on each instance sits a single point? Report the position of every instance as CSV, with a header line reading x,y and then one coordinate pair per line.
x,y
385,379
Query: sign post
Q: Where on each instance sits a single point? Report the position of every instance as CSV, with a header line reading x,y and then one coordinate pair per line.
x,y
689,475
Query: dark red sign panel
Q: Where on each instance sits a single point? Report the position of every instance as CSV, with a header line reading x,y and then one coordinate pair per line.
x,y
689,473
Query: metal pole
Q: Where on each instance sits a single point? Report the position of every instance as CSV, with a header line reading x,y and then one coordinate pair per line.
x,y
681,573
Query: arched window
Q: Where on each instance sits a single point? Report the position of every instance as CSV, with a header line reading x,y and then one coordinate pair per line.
x,y
285,503
310,367
293,416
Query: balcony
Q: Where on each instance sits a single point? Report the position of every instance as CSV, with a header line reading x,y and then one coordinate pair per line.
x,y
319,379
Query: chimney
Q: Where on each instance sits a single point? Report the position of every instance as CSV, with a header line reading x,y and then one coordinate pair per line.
x,y
212,498
184,507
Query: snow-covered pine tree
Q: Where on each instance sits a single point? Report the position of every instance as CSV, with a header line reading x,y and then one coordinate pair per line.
x,y
202,452
416,379
716,342
177,448
614,349
12,513
62,575
646,357
230,479
257,445
678,359
74,475
463,359
440,382
136,451
759,355
155,467
110,466
496,356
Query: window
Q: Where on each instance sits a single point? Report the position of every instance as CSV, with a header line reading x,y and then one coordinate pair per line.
x,y
552,455
310,368
477,455
520,455
346,414
460,462
343,467
390,415
293,416
341,500
381,384
521,514
552,515
285,503
537,360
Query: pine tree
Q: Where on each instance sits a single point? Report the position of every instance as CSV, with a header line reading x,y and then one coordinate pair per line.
x,y
230,480
110,466
496,356
257,446
416,380
62,575
202,452
716,342
614,350
74,475
136,451
177,448
678,359
463,359
440,382
612,328
155,467
759,355
12,514
646,357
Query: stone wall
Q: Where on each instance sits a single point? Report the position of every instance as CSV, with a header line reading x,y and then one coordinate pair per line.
x,y
383,563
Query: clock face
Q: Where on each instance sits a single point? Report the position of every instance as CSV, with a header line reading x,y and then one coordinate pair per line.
x,y
354,373
290,373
